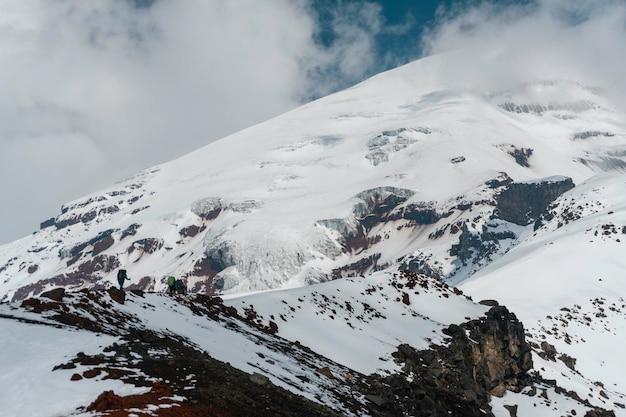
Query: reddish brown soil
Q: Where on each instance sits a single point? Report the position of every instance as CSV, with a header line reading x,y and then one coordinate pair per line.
x,y
110,404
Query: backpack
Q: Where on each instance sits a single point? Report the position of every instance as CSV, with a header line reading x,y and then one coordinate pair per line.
x,y
121,275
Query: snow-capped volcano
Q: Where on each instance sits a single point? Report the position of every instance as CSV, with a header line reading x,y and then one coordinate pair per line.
x,y
513,195
390,170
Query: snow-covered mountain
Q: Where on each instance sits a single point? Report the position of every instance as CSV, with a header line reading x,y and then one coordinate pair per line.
x,y
514,196
396,169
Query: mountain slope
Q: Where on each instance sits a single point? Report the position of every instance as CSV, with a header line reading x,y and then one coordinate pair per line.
x,y
383,173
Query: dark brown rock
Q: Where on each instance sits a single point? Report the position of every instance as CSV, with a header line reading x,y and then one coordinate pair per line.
x,y
103,244
600,413
148,245
85,275
568,361
138,293
106,401
521,155
30,303
548,351
46,223
512,409
191,231
91,373
117,295
205,267
130,230
326,372
56,294
144,284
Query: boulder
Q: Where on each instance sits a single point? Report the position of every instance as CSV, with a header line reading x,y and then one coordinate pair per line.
x,y
326,372
259,379
117,295
548,351
56,294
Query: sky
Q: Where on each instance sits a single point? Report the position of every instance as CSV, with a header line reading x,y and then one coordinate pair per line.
x,y
93,92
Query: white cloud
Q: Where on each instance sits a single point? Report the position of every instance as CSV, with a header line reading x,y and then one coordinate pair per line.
x,y
93,91
352,53
548,39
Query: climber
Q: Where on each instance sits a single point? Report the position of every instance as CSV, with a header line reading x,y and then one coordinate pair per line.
x,y
121,277
180,286
171,282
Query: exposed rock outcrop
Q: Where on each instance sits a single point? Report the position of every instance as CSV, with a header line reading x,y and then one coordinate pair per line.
x,y
208,208
478,247
375,207
522,202
484,357
539,109
377,203
148,245
86,275
117,295
494,349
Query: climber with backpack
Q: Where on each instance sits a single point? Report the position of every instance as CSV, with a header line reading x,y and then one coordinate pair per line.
x,y
121,277
180,286
171,283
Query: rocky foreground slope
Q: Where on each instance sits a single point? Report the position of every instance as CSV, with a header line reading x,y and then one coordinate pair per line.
x,y
196,355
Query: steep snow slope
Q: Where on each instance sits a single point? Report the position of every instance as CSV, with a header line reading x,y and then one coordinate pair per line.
x,y
360,322
386,172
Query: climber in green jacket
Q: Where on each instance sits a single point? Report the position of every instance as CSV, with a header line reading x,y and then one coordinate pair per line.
x,y
170,283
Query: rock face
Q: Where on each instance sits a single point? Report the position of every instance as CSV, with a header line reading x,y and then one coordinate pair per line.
x,y
494,351
516,204
522,203
484,357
